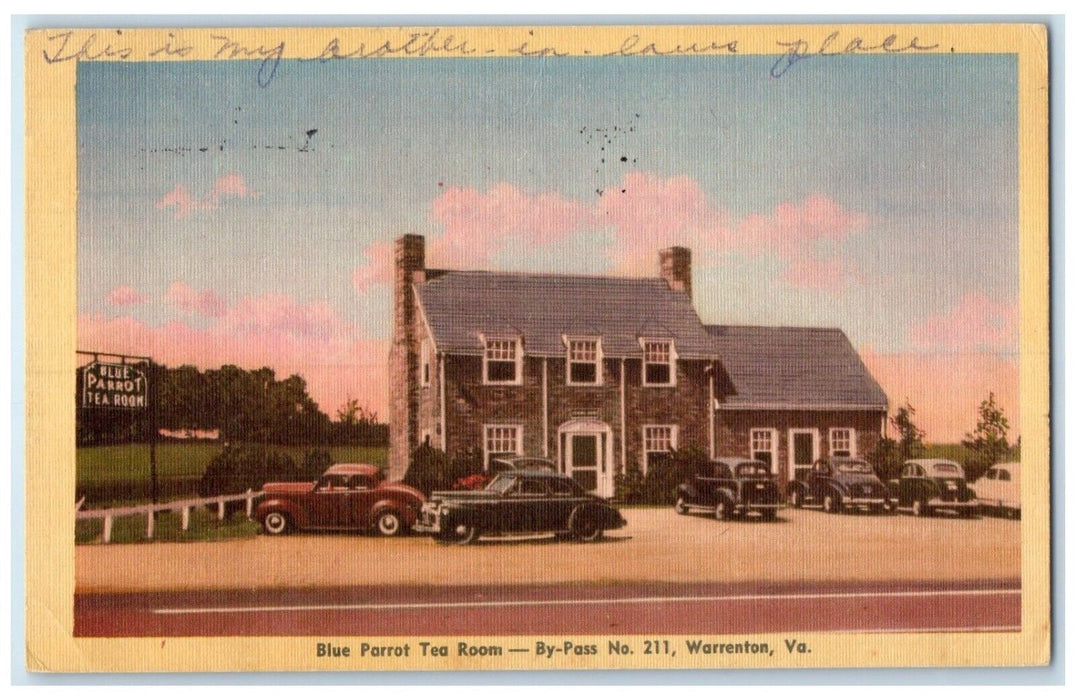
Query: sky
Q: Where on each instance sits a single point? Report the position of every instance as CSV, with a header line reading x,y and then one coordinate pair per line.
x,y
220,222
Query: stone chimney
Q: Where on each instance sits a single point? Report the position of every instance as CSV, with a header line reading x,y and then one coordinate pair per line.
x,y
409,266
675,267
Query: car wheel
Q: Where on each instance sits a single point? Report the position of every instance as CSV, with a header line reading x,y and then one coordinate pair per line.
x,y
459,534
919,508
723,509
585,524
768,514
388,523
276,523
681,505
831,503
588,530
970,513
795,498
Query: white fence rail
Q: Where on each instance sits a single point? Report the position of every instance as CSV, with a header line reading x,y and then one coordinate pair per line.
x,y
150,510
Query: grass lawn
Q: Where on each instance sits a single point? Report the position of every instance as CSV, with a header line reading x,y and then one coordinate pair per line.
x,y
203,527
120,474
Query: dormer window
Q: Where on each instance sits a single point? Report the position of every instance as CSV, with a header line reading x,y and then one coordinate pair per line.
x,y
502,361
584,361
659,363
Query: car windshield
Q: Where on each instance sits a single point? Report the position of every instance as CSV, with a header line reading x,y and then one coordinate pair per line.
x,y
752,469
944,469
855,467
501,483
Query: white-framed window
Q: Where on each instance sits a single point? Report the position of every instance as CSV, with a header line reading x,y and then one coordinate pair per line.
x,y
424,366
584,361
501,440
764,446
658,443
659,363
842,442
502,361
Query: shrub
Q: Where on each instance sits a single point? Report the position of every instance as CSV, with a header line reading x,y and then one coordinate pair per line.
x,y
629,485
658,485
430,470
241,466
316,462
467,462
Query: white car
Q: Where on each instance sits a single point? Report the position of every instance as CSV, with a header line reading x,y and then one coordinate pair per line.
x,y
999,489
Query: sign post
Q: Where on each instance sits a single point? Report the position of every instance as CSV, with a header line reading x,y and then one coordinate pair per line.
x,y
120,385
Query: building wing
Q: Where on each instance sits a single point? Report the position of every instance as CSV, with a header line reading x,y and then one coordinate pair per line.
x,y
798,368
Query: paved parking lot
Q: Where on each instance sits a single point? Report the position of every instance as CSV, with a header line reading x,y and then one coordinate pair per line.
x,y
656,546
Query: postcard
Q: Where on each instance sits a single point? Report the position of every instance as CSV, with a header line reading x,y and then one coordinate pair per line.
x,y
537,347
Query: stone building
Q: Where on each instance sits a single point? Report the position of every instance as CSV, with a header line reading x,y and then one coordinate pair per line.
x,y
601,374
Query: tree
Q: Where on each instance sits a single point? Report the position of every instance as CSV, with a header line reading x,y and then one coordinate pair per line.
x,y
891,453
354,413
357,424
989,442
911,436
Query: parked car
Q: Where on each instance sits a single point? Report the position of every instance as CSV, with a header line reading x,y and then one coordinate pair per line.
x,y
526,500
837,484
928,485
346,497
538,464
730,486
999,489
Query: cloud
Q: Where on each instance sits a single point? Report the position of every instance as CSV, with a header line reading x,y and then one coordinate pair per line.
x,y
124,295
792,226
230,186
645,213
484,223
265,331
975,324
831,275
946,388
279,314
959,358
378,267
204,302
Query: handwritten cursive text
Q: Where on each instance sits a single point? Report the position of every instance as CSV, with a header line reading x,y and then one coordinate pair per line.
x,y
800,49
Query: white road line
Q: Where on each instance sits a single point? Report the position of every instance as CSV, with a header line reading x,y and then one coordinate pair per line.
x,y
590,601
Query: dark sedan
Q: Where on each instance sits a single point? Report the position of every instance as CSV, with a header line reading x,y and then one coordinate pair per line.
x,y
730,486
929,485
520,501
838,484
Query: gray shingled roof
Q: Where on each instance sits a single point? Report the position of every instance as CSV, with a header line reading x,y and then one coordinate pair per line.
x,y
461,305
772,367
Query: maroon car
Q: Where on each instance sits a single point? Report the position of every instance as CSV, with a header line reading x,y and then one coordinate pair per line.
x,y
346,497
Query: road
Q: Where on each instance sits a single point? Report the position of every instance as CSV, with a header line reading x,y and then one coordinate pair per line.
x,y
700,608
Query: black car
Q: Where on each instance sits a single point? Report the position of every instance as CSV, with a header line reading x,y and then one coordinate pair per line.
x,y
837,484
518,501
730,486
929,485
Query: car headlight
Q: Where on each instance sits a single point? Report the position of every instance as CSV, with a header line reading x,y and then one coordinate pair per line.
x,y
444,510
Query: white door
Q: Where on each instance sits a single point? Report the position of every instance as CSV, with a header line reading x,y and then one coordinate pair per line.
x,y
802,449
585,447
584,460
